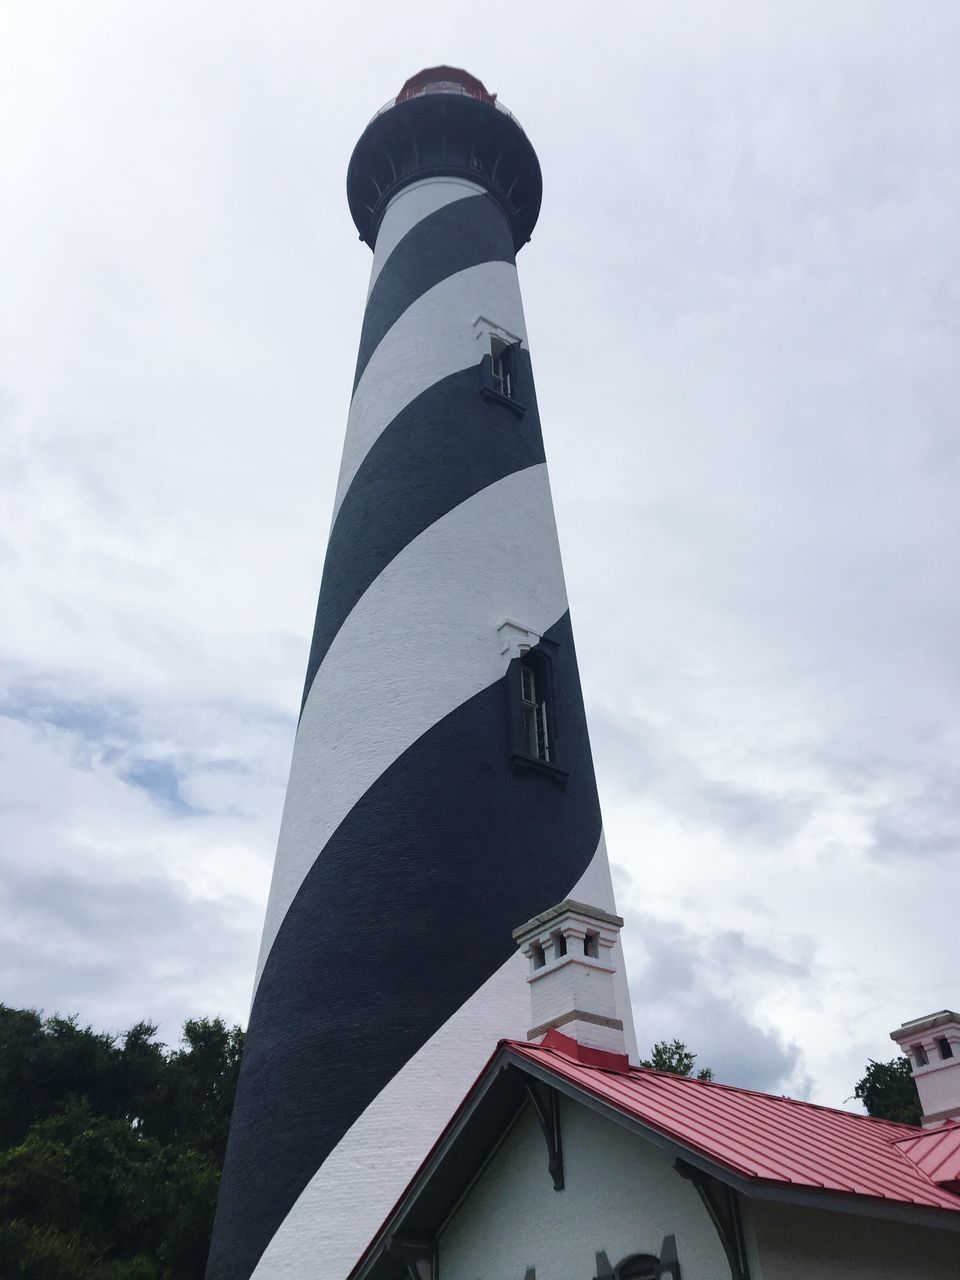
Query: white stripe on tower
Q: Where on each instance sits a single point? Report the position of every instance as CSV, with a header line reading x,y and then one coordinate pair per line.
x,y
415,814
421,641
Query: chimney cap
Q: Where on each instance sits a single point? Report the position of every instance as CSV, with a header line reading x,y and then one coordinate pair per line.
x,y
929,1022
536,923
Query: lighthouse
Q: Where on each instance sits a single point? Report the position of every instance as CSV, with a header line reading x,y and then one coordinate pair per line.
x,y
442,789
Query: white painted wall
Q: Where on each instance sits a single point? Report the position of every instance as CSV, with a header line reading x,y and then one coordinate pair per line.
x,y
938,1085
797,1244
622,1195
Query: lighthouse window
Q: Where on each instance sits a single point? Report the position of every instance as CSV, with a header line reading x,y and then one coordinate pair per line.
x,y
919,1055
535,725
946,1049
499,370
501,361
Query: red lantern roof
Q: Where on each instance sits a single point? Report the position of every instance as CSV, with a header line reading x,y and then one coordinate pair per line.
x,y
445,80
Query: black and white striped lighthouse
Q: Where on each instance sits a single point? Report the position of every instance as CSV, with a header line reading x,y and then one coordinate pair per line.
x,y
442,789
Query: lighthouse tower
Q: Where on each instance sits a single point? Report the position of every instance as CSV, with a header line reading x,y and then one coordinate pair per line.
x,y
442,788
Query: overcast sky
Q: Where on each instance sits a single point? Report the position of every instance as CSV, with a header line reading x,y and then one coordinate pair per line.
x,y
743,307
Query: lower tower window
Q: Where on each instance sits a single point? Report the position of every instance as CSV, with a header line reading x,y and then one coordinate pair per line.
x,y
532,709
535,718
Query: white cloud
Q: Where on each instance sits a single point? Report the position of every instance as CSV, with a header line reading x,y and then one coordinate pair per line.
x,y
743,323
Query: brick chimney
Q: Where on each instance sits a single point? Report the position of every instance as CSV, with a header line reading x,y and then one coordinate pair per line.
x,y
570,949
933,1046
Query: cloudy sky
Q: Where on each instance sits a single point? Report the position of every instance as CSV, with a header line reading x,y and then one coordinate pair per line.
x,y
743,311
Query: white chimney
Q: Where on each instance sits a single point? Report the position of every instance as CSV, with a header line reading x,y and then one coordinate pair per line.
x,y
570,949
933,1046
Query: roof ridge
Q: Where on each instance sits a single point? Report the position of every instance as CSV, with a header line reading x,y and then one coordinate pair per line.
x,y
910,1130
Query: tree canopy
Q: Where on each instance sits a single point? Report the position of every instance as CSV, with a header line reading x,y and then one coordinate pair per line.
x,y
675,1057
888,1092
110,1147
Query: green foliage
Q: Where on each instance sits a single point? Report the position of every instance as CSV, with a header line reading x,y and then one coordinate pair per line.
x,y
888,1092
675,1057
110,1148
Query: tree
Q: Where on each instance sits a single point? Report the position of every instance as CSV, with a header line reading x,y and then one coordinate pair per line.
x,y
44,1063
110,1147
888,1092
674,1056
200,1080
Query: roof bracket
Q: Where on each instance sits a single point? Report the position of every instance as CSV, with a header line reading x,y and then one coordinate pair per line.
x,y
669,1268
546,1103
418,1253
723,1205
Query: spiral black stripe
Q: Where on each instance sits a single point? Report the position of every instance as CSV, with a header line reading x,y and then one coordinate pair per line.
x,y
443,447
460,235
451,836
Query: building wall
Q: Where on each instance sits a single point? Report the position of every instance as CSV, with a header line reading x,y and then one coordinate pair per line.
x,y
622,1196
939,1086
796,1244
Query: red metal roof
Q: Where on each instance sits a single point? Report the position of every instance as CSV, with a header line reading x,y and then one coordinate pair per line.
x,y
771,1139
936,1153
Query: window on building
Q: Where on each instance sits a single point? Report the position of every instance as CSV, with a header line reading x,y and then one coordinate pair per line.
x,y
945,1048
591,946
640,1266
535,717
501,366
919,1055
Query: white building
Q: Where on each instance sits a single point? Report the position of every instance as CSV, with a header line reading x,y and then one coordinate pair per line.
x,y
566,1163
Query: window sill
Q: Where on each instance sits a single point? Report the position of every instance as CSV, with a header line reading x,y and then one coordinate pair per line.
x,y
514,406
552,771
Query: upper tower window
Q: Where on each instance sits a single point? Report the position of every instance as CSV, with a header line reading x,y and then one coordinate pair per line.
x,y
501,362
500,366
